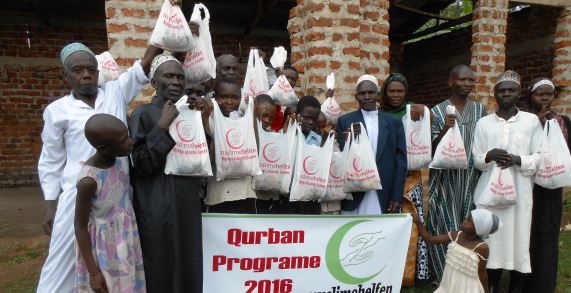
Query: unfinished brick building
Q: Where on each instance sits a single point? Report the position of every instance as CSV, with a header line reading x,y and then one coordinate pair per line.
x,y
348,37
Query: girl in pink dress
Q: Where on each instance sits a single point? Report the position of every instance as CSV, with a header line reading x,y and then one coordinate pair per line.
x,y
108,251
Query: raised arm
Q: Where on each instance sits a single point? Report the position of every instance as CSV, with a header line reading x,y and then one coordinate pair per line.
x,y
438,239
131,83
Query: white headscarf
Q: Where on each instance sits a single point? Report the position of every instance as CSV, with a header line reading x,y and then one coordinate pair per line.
x,y
158,61
369,78
542,82
485,222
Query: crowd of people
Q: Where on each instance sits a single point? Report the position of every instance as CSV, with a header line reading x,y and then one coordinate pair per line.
x,y
105,238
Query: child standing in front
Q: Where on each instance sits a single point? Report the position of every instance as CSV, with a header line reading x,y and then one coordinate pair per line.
x,y
467,255
264,113
108,251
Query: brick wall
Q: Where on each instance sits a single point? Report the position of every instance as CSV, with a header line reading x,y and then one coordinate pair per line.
x,y
427,64
129,26
529,51
30,78
348,37
530,45
562,61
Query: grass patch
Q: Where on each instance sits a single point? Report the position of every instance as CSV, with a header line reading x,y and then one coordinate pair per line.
x,y
23,285
564,275
22,258
26,257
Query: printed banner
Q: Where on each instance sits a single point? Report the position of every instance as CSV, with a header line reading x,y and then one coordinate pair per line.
x,y
304,254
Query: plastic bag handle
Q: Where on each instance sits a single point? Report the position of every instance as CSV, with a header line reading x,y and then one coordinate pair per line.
x,y
353,132
196,10
206,12
255,60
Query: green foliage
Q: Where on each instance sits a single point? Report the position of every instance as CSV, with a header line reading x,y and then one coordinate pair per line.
x,y
457,9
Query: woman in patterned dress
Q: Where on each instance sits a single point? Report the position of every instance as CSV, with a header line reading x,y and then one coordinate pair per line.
x,y
393,101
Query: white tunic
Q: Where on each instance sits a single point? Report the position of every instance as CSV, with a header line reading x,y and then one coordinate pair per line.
x,y
370,204
509,247
64,147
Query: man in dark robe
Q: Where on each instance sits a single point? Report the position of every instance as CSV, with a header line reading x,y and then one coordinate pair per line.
x,y
167,206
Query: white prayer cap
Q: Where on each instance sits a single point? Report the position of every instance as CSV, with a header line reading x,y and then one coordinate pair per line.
x,y
485,222
158,61
369,78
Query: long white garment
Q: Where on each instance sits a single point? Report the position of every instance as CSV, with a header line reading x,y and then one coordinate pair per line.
x,y
64,146
509,247
370,204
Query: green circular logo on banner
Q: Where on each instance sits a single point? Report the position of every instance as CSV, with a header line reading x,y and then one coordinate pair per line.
x,y
359,255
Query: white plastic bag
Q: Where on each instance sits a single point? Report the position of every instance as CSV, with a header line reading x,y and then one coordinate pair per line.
x,y
279,57
171,30
554,169
256,79
337,175
276,160
361,172
330,107
499,191
450,152
199,63
190,156
281,92
236,152
108,68
311,171
418,140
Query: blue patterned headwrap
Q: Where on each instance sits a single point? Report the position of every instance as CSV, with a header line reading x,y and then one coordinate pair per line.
x,y
72,48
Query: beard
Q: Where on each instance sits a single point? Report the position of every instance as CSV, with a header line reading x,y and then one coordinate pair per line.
x,y
86,90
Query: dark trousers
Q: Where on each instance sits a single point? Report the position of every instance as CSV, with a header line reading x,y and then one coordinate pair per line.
x,y
299,207
242,206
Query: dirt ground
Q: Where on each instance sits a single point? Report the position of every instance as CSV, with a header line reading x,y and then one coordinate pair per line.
x,y
23,245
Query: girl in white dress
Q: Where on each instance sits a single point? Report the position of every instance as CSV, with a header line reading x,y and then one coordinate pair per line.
x,y
465,269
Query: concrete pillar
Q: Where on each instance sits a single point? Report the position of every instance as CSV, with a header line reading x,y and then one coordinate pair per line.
x,y
562,62
488,47
347,37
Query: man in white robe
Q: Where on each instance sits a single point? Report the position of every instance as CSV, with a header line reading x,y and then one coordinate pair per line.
x,y
507,140
65,146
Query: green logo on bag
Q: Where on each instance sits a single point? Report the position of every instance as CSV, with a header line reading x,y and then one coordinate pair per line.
x,y
361,249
